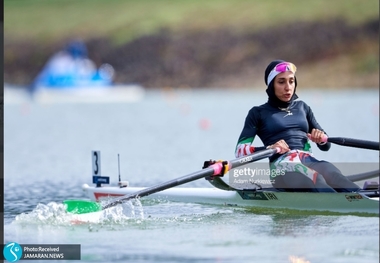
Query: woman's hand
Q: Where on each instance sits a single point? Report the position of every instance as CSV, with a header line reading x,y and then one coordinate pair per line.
x,y
280,144
316,136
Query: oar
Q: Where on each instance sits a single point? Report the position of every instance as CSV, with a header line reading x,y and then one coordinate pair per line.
x,y
363,176
363,144
80,206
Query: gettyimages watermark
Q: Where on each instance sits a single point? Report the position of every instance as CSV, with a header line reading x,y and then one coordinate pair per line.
x,y
258,175
13,252
253,175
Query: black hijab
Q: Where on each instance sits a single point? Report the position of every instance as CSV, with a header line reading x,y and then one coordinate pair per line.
x,y
272,98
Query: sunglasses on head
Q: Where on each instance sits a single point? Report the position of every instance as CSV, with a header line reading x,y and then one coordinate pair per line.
x,y
280,68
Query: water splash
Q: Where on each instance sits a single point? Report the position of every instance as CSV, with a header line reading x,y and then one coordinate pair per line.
x,y
121,213
51,214
55,214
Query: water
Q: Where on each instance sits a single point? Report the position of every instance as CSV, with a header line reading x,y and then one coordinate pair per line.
x,y
169,134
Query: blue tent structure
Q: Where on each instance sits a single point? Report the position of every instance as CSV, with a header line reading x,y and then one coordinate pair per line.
x,y
71,68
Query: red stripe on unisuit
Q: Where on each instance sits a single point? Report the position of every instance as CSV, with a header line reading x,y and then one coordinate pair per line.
x,y
244,150
292,156
315,177
239,152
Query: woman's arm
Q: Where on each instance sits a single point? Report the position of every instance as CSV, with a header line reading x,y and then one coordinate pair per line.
x,y
244,146
315,130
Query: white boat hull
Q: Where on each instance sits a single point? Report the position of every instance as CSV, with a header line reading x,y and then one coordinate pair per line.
x,y
331,202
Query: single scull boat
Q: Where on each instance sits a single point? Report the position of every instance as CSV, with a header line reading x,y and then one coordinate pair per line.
x,y
364,201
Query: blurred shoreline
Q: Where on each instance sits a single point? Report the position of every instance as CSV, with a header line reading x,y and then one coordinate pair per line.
x,y
330,54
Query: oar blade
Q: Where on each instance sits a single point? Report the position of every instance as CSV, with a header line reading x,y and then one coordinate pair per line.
x,y
82,206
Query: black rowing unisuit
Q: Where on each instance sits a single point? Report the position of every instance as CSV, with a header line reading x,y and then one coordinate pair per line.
x,y
272,124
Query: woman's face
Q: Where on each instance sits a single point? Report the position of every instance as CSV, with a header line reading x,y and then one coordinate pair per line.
x,y
284,84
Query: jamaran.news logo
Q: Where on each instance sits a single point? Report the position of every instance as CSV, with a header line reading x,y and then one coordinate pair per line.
x,y
12,252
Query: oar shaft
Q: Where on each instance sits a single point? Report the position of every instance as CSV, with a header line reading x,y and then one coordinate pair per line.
x,y
363,176
163,186
362,144
253,157
214,169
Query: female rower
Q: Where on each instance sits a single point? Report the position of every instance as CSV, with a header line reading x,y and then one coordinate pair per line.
x,y
289,124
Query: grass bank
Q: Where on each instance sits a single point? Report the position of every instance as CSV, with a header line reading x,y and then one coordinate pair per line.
x,y
216,43
124,20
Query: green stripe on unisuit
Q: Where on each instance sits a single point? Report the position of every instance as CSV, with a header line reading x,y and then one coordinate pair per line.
x,y
307,147
248,140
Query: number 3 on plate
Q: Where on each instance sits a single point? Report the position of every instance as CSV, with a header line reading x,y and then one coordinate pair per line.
x,y
96,163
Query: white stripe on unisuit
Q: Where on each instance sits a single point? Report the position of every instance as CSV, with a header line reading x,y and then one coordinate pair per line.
x,y
291,162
